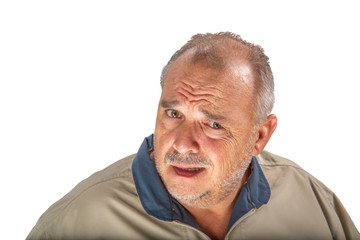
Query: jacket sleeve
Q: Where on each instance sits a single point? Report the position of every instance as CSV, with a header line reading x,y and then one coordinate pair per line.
x,y
36,234
348,228
339,221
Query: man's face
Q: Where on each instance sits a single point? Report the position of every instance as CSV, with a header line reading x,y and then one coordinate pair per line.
x,y
204,133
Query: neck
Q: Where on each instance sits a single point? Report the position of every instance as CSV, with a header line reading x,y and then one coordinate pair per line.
x,y
214,220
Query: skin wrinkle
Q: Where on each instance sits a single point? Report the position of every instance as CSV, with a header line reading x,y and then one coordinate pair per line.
x,y
186,88
198,88
208,49
192,98
191,94
210,105
195,94
201,92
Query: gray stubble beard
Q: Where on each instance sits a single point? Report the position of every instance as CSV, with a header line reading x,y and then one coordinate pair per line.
x,y
229,185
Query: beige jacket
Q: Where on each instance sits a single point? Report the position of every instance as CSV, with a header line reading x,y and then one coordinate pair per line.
x,y
107,206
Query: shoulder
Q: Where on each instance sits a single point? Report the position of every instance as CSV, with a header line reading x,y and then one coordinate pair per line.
x,y
299,199
104,206
91,205
269,159
118,173
281,171
273,164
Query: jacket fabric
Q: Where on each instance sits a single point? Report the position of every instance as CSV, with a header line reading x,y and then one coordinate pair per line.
x,y
128,201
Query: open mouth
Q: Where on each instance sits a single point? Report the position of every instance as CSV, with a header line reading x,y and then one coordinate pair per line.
x,y
188,172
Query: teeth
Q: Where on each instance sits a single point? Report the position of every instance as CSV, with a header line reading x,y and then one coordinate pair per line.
x,y
191,169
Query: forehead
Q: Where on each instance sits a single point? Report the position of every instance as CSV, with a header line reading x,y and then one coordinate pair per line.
x,y
219,90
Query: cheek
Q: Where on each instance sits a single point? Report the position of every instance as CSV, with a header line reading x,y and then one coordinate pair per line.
x,y
163,139
223,152
217,150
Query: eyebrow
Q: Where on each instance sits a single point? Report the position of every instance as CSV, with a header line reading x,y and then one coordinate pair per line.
x,y
169,104
212,116
172,104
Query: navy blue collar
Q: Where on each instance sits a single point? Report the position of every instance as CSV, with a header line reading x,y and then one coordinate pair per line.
x,y
158,203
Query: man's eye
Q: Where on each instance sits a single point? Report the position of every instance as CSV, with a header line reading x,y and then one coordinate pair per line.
x,y
215,125
173,113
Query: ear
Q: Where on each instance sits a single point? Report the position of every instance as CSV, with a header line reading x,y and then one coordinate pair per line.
x,y
264,133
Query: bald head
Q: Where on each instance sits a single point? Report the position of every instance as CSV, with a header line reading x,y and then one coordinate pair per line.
x,y
228,52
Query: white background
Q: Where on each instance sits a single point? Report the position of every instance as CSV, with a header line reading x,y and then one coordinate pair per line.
x,y
79,86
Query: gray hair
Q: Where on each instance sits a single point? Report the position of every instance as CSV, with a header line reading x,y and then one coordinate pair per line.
x,y
208,46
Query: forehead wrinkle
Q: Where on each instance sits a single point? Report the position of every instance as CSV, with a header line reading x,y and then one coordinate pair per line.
x,y
194,103
207,97
199,92
193,97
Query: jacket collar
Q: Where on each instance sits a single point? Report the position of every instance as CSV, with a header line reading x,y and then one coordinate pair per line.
x,y
158,203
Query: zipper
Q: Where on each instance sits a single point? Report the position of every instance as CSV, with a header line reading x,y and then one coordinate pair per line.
x,y
192,228
248,214
245,216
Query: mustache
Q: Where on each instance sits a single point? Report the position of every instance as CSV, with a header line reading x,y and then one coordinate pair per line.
x,y
189,159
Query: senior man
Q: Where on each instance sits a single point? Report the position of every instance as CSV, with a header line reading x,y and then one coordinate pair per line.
x,y
204,174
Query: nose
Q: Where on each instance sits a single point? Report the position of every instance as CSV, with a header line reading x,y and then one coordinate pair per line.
x,y
186,141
